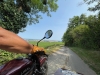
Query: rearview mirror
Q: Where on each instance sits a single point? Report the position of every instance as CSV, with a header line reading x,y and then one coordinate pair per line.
x,y
48,34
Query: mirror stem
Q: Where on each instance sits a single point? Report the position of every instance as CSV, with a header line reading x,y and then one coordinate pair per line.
x,y
40,40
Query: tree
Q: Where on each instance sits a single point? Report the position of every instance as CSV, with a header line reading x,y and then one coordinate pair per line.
x,y
94,25
15,15
82,19
96,7
76,20
84,32
80,35
10,18
68,39
73,22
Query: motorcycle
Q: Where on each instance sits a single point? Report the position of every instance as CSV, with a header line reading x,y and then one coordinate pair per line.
x,y
33,64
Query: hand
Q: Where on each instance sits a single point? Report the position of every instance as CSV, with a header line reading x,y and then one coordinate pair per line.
x,y
37,49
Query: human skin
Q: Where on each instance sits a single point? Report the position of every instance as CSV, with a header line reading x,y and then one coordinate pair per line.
x,y
11,42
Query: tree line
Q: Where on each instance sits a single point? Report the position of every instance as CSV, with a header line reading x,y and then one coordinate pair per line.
x,y
84,31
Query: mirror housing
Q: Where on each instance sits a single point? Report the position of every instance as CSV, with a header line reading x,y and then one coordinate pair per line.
x,y
48,34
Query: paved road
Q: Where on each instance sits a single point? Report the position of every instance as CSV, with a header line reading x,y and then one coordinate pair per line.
x,y
67,58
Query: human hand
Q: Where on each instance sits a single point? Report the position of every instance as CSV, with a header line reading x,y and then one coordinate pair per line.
x,y
37,49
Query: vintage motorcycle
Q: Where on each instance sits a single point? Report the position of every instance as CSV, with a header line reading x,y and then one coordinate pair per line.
x,y
33,64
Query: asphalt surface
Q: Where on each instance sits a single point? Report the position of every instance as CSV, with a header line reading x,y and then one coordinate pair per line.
x,y
68,59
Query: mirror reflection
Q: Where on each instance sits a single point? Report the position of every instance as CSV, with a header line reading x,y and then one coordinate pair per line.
x,y
48,34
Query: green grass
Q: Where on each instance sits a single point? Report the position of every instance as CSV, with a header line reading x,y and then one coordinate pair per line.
x,y
91,57
45,44
49,48
6,56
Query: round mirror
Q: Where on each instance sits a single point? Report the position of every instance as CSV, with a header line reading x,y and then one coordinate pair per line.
x,y
48,34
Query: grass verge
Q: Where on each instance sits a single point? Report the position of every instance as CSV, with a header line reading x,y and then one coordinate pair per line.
x,y
91,57
53,48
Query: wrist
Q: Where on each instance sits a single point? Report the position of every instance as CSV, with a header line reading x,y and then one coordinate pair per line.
x,y
31,50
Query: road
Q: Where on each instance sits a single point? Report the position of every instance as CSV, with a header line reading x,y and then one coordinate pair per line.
x,y
67,58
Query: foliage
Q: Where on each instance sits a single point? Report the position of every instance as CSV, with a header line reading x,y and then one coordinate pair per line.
x,y
6,56
79,35
10,18
68,39
84,32
45,44
17,14
96,7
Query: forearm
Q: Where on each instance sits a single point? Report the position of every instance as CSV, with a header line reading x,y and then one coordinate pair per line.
x,y
13,43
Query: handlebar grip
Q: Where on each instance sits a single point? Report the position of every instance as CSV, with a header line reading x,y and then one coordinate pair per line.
x,y
40,53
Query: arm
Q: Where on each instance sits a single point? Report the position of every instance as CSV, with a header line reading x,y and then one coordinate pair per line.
x,y
13,43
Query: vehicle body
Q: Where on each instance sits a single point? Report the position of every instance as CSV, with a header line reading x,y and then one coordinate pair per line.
x,y
34,64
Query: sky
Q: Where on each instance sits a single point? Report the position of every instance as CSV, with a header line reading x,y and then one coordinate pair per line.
x,y
58,23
